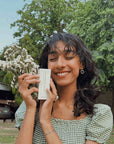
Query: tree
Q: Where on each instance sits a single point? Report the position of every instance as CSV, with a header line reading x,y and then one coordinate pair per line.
x,y
39,20
4,75
6,78
93,22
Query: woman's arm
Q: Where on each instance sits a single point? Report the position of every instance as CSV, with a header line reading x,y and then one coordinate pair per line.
x,y
90,142
45,116
26,132
50,134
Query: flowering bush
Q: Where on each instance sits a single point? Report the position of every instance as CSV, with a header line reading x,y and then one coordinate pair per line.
x,y
18,62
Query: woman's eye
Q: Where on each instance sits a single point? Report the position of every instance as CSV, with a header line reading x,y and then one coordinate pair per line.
x,y
52,59
69,55
68,58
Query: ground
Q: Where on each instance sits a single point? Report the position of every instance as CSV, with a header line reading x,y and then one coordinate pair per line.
x,y
8,132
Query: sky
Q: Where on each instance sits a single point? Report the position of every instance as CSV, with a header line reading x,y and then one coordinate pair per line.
x,y
8,15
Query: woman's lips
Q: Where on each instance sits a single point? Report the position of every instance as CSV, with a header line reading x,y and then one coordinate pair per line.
x,y
62,74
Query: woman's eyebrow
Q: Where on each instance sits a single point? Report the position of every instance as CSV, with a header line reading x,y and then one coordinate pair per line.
x,y
69,51
53,52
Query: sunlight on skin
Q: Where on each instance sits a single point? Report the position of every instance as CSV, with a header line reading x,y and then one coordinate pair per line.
x,y
90,142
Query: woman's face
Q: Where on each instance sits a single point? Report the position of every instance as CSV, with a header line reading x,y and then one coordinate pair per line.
x,y
64,65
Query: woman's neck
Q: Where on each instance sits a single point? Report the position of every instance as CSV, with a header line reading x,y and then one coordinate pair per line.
x,y
66,93
64,106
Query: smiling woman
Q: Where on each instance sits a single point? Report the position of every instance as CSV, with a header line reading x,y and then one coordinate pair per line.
x,y
64,65
74,117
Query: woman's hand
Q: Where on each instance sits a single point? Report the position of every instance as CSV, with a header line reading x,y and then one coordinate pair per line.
x,y
24,81
26,132
46,105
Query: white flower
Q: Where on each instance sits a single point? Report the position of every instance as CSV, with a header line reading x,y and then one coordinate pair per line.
x,y
28,61
18,62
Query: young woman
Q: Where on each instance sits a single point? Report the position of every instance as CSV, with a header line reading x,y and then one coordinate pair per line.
x,y
73,118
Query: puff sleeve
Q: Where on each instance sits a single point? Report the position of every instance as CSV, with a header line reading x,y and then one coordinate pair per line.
x,y
101,124
19,115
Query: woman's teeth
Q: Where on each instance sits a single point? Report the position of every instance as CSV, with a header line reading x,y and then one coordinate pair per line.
x,y
61,74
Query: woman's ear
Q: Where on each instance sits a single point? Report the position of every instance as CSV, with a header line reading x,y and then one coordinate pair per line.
x,y
81,66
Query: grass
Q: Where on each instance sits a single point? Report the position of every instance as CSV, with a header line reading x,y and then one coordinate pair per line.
x,y
8,133
111,139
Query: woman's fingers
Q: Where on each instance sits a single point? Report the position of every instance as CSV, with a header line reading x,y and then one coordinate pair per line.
x,y
31,81
32,76
24,81
21,77
27,77
53,88
51,96
33,89
53,92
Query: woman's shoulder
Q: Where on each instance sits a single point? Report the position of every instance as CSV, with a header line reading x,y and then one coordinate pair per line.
x,y
102,111
101,107
101,124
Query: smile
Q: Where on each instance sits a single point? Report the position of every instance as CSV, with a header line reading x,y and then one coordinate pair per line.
x,y
62,73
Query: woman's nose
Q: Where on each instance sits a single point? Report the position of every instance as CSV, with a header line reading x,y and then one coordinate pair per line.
x,y
61,62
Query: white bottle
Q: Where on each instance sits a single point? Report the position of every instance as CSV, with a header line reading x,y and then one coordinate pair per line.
x,y
45,75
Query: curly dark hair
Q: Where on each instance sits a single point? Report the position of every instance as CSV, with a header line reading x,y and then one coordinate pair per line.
x,y
87,91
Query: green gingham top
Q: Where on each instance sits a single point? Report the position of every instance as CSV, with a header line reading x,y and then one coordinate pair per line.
x,y
97,128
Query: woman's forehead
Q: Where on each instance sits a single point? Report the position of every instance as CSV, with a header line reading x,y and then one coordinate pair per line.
x,y
62,47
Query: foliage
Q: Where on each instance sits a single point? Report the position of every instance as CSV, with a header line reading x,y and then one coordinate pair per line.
x,y
18,98
93,22
17,63
39,20
4,74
